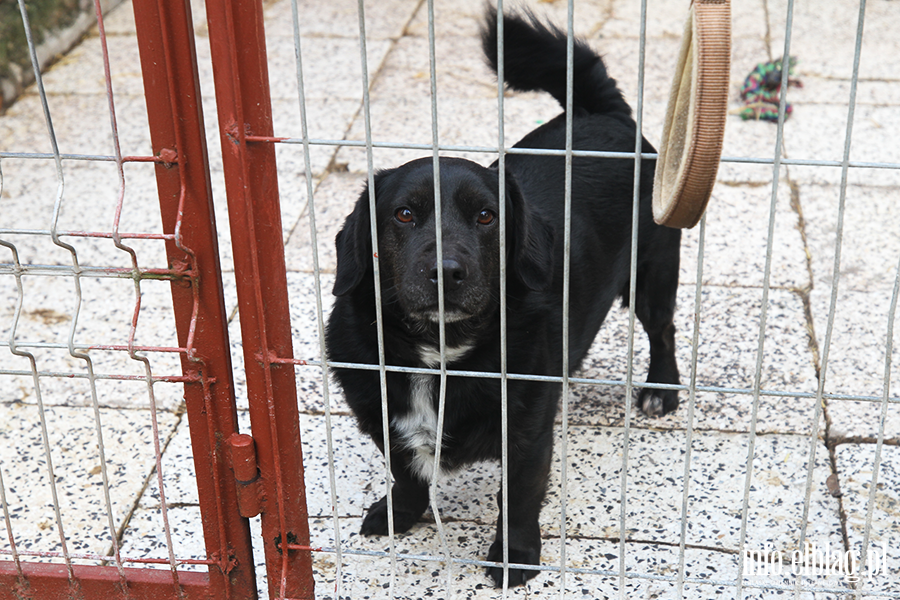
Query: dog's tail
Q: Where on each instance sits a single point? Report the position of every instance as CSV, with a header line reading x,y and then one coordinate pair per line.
x,y
535,59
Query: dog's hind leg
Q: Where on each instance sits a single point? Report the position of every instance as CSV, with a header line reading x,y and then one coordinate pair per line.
x,y
656,289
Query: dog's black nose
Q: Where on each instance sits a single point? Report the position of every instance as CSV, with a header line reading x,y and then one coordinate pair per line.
x,y
454,274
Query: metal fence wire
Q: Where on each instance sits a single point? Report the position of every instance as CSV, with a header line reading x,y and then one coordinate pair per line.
x,y
782,456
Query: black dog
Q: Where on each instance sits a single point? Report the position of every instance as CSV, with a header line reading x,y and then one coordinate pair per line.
x,y
602,193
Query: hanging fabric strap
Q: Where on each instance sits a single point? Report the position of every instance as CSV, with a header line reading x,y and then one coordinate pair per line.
x,y
695,117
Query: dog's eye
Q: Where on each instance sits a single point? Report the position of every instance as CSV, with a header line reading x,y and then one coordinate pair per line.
x,y
404,215
486,217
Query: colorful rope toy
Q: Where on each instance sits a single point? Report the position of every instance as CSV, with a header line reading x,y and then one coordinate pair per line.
x,y
761,91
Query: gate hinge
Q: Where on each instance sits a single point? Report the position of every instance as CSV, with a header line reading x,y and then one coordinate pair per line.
x,y
246,473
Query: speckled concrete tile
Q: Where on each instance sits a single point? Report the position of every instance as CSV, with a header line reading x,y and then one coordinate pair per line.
x,y
856,361
127,438
824,90
179,476
335,196
654,489
81,71
384,19
304,320
665,18
145,536
407,119
645,564
359,468
326,118
870,246
717,482
90,196
743,212
742,138
727,354
467,104
331,66
23,128
856,465
105,315
818,132
836,21
727,358
464,17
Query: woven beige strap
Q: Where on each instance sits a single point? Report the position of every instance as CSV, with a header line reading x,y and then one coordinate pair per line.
x,y
695,117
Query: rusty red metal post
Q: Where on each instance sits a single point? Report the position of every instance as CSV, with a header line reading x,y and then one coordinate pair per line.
x,y
238,46
171,85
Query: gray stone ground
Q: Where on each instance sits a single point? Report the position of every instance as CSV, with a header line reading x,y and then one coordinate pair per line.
x,y
802,272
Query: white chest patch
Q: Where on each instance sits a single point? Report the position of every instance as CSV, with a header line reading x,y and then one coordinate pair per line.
x,y
418,427
432,356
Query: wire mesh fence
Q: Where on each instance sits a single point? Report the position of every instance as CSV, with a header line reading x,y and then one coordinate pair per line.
x,y
787,402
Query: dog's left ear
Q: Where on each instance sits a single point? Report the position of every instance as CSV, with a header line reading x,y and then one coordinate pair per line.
x,y
353,243
530,238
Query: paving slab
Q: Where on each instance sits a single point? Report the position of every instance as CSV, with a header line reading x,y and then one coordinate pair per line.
x,y
356,460
127,437
304,322
401,111
727,355
836,21
81,71
665,18
145,537
327,118
104,318
870,247
856,362
856,464
825,90
90,193
655,492
465,17
335,196
24,129
818,132
651,569
120,20
742,211
331,66
323,19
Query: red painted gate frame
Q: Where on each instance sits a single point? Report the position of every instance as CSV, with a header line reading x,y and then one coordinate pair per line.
x,y
238,47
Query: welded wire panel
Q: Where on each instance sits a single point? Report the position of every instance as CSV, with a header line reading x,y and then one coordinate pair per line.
x,y
750,451
744,342
92,386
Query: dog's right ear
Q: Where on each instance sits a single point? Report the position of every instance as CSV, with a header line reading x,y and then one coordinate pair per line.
x,y
354,247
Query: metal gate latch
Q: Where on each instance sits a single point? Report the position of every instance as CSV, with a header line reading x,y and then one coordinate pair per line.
x,y
246,473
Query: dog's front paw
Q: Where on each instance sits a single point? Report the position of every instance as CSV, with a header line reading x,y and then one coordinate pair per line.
x,y
376,521
656,403
531,556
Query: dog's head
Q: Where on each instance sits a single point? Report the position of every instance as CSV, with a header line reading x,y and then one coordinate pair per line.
x,y
470,227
